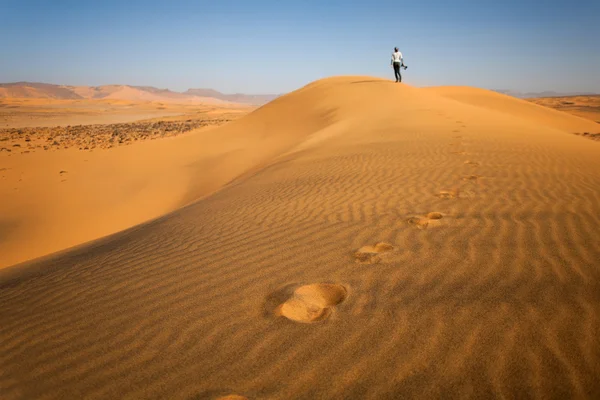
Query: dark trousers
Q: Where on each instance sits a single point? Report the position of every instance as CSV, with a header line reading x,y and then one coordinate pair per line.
x,y
397,72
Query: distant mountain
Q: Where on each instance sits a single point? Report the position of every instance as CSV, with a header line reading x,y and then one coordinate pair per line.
x,y
254,99
150,93
125,92
36,90
527,95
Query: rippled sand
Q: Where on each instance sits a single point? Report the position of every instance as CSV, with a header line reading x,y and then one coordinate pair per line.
x,y
355,239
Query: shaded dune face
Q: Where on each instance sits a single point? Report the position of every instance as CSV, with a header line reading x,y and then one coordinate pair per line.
x,y
304,274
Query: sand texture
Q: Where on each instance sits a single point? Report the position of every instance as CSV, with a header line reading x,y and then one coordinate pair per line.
x,y
354,239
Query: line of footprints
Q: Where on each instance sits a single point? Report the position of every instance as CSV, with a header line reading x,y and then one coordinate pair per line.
x,y
455,193
315,302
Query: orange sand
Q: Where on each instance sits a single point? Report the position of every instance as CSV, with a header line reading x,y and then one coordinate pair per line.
x,y
356,238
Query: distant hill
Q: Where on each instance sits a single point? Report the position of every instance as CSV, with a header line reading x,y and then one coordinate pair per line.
x,y
125,92
585,106
36,90
529,95
255,99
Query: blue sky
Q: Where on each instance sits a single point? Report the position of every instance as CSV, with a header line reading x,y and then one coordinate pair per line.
x,y
268,46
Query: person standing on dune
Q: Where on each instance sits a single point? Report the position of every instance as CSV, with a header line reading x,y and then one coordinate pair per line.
x,y
397,63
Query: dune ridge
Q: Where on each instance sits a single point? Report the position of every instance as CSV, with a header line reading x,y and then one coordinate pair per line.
x,y
35,90
502,299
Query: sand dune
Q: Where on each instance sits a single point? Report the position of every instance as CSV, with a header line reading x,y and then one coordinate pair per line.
x,y
123,92
109,92
35,90
239,98
255,290
582,106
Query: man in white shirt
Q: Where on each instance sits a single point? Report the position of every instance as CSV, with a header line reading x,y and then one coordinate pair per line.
x,y
397,62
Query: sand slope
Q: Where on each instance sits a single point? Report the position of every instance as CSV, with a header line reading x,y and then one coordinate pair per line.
x,y
482,279
535,113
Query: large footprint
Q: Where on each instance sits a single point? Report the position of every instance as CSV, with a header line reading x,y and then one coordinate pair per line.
x,y
312,303
448,194
372,254
431,219
471,178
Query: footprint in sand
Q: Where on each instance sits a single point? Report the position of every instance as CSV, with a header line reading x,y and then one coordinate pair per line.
x,y
372,254
458,152
472,163
312,303
431,219
448,194
470,178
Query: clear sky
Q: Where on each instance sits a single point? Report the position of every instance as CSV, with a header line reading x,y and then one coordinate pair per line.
x,y
274,46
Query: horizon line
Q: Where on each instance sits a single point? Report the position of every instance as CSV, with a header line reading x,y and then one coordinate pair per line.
x,y
503,91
